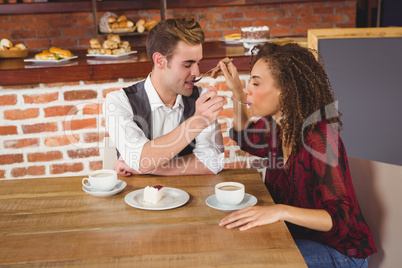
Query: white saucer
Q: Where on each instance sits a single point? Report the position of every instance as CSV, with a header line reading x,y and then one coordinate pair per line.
x,y
117,189
50,61
173,198
249,200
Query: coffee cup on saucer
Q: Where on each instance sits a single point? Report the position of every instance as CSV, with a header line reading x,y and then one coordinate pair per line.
x,y
101,180
229,193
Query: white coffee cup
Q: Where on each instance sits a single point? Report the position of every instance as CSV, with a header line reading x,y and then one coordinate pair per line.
x,y
101,180
229,193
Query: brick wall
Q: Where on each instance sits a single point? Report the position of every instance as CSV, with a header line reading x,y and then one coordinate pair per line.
x,y
73,30
58,129
53,129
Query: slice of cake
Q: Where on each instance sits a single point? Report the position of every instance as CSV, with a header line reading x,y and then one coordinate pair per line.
x,y
232,37
153,194
255,33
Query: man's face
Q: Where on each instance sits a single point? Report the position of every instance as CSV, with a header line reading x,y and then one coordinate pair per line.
x,y
183,68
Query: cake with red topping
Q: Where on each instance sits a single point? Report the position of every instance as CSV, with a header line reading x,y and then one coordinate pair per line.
x,y
255,33
153,194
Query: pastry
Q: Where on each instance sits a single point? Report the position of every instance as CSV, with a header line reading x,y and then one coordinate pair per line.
x,y
140,28
114,25
6,43
111,19
110,44
121,18
95,43
153,194
20,46
149,24
140,22
118,51
45,55
255,33
61,53
124,44
232,37
114,37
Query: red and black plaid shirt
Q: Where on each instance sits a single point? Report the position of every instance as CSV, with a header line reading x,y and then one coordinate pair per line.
x,y
316,176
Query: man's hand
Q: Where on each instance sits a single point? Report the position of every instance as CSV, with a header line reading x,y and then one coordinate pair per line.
x,y
123,169
207,107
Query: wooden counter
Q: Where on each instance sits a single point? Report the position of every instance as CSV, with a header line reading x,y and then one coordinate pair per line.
x,y
16,71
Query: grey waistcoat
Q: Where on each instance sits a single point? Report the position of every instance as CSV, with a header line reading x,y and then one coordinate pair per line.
x,y
139,102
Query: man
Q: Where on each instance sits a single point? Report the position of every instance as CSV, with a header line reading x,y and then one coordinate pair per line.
x,y
165,125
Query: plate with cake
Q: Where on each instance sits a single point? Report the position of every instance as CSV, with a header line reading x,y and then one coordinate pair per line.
x,y
157,197
231,38
249,35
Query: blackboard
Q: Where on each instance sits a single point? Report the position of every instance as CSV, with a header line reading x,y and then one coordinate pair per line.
x,y
366,76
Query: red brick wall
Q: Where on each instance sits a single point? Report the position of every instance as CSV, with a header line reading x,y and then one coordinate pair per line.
x,y
73,30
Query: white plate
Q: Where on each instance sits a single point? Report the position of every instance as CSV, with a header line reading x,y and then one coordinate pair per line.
x,y
50,61
236,41
111,56
248,41
248,200
258,41
173,198
117,189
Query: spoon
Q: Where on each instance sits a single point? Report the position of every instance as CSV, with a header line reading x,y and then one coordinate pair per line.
x,y
215,68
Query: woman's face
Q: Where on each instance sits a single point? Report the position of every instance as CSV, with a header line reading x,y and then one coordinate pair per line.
x,y
262,94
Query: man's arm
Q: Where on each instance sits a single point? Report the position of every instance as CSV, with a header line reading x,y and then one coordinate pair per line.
x,y
184,165
130,139
161,150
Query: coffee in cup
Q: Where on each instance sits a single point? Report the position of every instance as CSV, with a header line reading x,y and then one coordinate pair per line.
x,y
101,180
229,193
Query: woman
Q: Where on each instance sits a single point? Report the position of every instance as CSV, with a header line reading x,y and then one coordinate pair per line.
x,y
298,132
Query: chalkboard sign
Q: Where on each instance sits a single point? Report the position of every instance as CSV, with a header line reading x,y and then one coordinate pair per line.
x,y
366,76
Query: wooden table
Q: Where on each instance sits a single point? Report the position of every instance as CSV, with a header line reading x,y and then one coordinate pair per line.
x,y
53,222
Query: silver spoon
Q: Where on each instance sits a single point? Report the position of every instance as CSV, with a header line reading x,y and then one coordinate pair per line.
x,y
215,68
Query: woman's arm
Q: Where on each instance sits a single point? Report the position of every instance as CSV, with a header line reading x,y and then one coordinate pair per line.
x,y
315,219
241,116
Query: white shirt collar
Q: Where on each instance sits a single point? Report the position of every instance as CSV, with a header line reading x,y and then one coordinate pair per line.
x,y
154,99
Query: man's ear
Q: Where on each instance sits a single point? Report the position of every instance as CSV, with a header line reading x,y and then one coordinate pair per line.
x,y
159,60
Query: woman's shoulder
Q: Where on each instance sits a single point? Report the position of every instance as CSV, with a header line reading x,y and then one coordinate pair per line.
x,y
324,131
324,127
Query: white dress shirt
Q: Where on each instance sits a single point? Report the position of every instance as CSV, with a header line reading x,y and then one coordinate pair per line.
x,y
129,139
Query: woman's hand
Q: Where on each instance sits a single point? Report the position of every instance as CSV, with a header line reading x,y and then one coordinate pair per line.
x,y
232,77
250,217
123,169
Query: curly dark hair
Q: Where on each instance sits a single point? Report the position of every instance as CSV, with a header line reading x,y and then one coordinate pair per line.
x,y
306,93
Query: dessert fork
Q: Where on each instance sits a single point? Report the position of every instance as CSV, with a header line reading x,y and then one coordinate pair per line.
x,y
215,68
